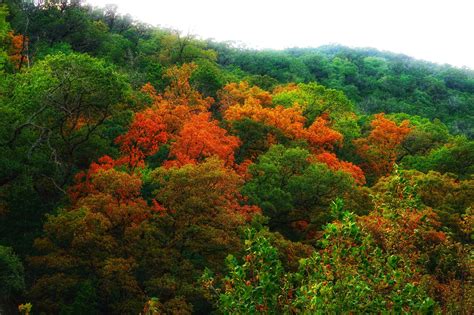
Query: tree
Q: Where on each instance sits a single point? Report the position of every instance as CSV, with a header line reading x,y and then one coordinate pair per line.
x,y
178,49
4,28
208,78
16,52
315,100
349,273
402,225
450,198
114,242
255,285
51,22
12,278
180,91
115,197
453,157
321,137
352,274
60,106
294,192
54,120
424,136
239,93
200,226
180,101
209,185
200,138
88,246
256,138
289,120
143,138
334,163
380,148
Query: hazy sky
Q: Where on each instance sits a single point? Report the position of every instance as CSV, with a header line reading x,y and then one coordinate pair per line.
x,y
434,30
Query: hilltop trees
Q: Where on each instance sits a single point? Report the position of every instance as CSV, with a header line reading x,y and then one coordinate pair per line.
x,y
182,183
136,159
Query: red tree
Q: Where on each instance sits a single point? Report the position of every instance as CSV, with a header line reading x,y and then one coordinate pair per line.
x,y
144,137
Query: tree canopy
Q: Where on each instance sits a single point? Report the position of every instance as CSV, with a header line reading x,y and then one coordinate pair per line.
x,y
144,171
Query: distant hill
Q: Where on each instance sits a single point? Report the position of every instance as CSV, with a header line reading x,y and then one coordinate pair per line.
x,y
377,81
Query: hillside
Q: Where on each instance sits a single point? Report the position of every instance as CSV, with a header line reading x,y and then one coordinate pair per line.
x,y
147,171
376,81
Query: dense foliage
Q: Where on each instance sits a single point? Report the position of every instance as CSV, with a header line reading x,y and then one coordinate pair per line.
x,y
143,171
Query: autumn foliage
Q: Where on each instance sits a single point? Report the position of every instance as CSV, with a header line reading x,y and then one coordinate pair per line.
x,y
331,160
239,93
380,148
180,105
290,121
145,171
180,92
200,138
83,180
180,101
321,136
16,52
143,138
190,173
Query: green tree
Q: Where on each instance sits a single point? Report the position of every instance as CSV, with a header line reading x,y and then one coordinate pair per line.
x,y
4,28
349,273
53,120
292,191
425,135
450,198
256,138
315,100
208,77
12,279
453,157
352,274
59,106
254,285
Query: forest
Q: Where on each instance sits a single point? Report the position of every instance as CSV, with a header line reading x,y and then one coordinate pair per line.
x,y
147,171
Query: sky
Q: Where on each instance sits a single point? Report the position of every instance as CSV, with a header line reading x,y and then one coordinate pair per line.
x,y
433,30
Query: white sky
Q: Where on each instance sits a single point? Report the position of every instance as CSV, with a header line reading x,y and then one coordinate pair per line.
x,y
433,30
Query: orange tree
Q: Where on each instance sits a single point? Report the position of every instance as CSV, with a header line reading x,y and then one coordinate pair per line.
x,y
200,138
380,148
